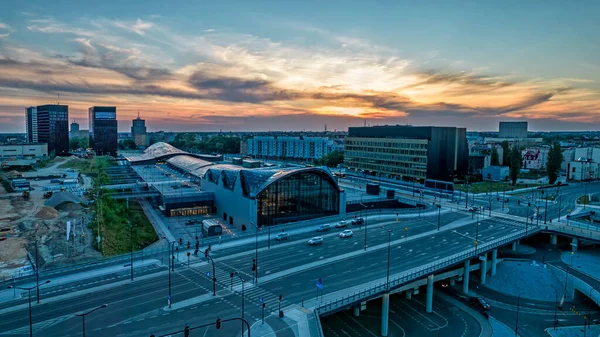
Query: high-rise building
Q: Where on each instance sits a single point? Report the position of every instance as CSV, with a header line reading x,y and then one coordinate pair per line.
x,y
407,152
53,127
138,131
31,124
103,130
513,130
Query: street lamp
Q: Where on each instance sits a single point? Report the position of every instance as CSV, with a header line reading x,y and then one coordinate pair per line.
x,y
82,315
29,297
241,279
130,247
439,214
255,262
387,277
171,266
518,307
214,276
555,307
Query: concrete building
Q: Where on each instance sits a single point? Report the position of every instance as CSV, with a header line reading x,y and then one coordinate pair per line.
x,y
495,173
75,132
138,131
53,127
513,130
31,124
282,147
23,150
583,170
103,130
407,152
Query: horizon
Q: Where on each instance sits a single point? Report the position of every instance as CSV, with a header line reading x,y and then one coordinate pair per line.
x,y
281,66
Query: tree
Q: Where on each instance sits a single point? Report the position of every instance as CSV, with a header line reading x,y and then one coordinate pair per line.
x,y
78,142
129,144
495,160
515,164
505,153
555,159
332,159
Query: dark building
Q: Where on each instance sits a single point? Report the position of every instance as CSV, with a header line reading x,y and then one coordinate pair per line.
x,y
138,131
53,127
103,130
408,152
31,125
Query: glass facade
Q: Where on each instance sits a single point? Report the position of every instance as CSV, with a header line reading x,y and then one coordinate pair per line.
x,y
103,130
301,195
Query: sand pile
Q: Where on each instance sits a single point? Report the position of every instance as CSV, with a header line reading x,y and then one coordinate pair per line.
x,y
46,213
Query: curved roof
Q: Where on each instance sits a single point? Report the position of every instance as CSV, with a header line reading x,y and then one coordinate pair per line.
x,y
188,163
163,150
255,180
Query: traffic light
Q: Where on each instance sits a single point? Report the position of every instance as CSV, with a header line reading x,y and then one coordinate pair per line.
x,y
280,297
186,331
206,252
231,275
188,253
218,324
180,241
189,245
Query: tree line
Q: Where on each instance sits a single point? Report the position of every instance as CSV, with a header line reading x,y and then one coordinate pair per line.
x,y
216,144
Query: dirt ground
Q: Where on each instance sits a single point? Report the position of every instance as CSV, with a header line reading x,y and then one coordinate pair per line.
x,y
23,221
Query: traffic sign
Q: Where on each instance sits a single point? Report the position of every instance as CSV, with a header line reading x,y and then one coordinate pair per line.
x,y
260,300
208,273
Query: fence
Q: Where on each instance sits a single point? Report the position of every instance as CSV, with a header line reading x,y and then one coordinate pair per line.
x,y
416,273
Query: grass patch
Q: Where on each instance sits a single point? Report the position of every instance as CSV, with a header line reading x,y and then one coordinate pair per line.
x,y
115,228
6,184
584,199
495,186
94,167
532,175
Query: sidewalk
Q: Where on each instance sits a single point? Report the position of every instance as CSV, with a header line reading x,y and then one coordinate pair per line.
x,y
486,327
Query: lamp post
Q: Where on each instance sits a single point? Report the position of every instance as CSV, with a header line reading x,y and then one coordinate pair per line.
x,y
517,320
171,266
29,298
559,205
214,276
241,279
130,247
439,206
82,315
555,307
387,277
37,272
255,264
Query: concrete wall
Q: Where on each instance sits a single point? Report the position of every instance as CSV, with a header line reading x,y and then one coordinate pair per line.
x,y
231,202
24,150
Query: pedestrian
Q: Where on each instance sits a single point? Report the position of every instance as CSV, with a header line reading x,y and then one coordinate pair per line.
x,y
219,239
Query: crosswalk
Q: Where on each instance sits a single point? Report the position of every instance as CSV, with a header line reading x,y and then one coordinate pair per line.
x,y
37,327
253,293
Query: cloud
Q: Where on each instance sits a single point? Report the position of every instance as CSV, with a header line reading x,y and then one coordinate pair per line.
x,y
50,26
139,26
4,35
4,26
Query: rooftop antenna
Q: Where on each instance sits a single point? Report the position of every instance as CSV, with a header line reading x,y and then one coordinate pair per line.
x,y
138,114
365,122
58,100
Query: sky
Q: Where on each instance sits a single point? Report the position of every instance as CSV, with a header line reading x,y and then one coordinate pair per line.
x,y
300,65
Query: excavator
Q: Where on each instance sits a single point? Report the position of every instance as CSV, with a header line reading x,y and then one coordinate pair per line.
x,y
25,194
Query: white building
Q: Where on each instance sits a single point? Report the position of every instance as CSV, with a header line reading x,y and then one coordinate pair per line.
x,y
291,147
24,150
583,170
535,158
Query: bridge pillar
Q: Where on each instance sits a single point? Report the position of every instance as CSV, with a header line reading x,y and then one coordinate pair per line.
x,y
553,239
494,261
356,311
514,245
453,282
429,305
574,245
408,294
385,313
483,267
466,272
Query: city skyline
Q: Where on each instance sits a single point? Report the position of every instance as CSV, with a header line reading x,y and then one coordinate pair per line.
x,y
275,66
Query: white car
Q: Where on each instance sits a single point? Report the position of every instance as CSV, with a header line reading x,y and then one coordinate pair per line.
x,y
341,224
346,234
315,241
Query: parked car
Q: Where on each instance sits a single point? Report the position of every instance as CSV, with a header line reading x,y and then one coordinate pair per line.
x,y
479,303
346,234
341,224
473,209
281,237
358,221
317,240
324,228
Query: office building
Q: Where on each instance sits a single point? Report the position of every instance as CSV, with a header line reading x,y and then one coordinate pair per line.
x,y
407,152
53,127
138,131
31,125
75,132
103,130
286,147
513,130
23,150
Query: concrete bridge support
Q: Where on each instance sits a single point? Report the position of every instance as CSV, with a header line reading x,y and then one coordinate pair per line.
x,y
483,268
574,245
553,239
408,294
356,311
494,261
429,304
453,281
514,245
467,270
385,314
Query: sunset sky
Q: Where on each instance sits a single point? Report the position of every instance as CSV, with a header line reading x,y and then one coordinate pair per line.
x,y
293,65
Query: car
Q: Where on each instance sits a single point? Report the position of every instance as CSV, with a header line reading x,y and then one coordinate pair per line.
x,y
358,221
324,228
346,234
479,302
281,237
473,209
341,224
317,240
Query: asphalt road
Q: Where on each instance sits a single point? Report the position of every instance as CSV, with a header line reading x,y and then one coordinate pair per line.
x,y
137,306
